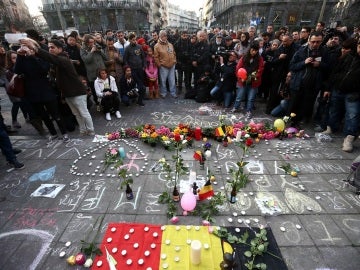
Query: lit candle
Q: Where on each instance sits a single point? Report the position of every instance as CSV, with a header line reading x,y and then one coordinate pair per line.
x,y
197,133
195,252
122,152
238,136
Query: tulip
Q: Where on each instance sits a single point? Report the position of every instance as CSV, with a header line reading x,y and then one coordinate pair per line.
x,y
88,263
71,260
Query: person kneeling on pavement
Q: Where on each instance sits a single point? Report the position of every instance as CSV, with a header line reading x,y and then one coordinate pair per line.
x,y
106,89
128,86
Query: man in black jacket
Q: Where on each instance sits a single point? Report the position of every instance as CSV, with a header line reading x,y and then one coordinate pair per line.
x,y
182,49
67,81
343,85
201,56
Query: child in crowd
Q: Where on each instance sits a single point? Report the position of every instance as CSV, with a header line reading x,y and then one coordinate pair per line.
x,y
151,71
106,89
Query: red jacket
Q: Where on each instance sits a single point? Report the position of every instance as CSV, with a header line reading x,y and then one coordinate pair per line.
x,y
254,83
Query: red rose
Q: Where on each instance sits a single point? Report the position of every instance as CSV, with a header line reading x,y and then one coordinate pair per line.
x,y
249,142
177,137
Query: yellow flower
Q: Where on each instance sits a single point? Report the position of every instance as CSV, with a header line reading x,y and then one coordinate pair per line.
x,y
292,114
293,173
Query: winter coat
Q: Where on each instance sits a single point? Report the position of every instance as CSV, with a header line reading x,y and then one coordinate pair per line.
x,y
164,54
227,77
305,75
100,84
93,61
67,80
134,56
125,87
346,76
201,53
37,85
250,69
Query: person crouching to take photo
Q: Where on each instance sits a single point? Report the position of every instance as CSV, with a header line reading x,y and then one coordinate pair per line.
x,y
106,89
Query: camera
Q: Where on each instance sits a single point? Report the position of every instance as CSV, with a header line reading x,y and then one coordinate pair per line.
x,y
221,51
133,92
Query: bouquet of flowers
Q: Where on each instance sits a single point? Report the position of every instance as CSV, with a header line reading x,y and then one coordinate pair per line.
x,y
111,157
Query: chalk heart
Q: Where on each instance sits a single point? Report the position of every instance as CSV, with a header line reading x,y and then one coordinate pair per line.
x,y
299,202
188,201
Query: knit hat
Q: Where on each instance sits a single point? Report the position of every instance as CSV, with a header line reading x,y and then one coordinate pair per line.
x,y
141,41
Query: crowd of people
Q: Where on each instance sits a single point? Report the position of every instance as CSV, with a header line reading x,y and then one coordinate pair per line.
x,y
314,73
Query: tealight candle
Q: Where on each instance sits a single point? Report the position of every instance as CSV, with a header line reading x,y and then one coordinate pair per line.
x,y
126,236
136,245
62,254
123,252
114,250
131,230
113,229
140,261
153,245
129,261
67,244
109,239
147,253
167,242
146,229
163,256
99,263
155,234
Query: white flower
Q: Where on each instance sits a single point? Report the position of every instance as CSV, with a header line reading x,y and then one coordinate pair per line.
x,y
247,135
286,118
88,263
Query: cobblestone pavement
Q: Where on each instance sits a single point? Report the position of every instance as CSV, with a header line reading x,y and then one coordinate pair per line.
x,y
34,230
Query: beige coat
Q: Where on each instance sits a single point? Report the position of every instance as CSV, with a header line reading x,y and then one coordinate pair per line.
x,y
164,54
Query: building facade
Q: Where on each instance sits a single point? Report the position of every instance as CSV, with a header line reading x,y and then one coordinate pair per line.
x,y
239,14
182,19
14,16
99,15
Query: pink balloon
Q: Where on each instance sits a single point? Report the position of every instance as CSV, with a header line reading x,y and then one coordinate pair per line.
x,y
188,201
242,73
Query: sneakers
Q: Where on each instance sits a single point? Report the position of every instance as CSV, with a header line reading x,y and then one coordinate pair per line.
x,y
118,115
66,138
348,143
327,131
17,165
107,116
91,133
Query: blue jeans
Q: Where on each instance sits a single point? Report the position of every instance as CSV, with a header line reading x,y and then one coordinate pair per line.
x,y
167,74
281,109
228,98
245,93
348,103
